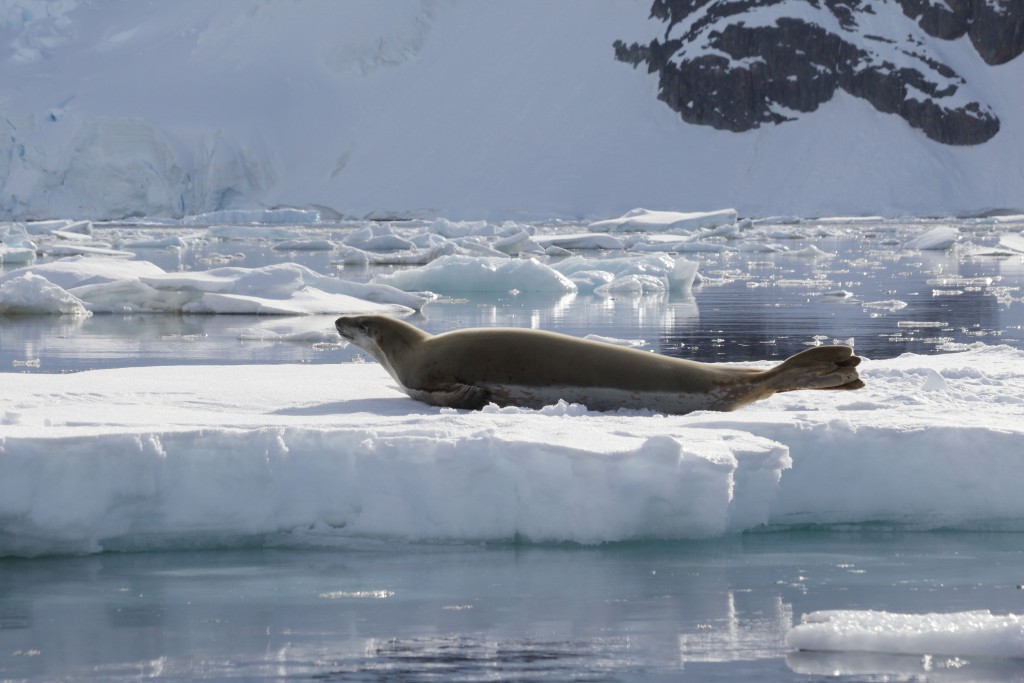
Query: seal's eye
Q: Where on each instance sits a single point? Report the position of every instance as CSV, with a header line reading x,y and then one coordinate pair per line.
x,y
364,328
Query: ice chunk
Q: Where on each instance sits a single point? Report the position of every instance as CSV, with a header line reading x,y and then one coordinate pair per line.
x,y
108,285
582,241
256,216
304,245
979,633
16,254
1013,242
33,294
479,274
640,220
633,285
936,239
678,273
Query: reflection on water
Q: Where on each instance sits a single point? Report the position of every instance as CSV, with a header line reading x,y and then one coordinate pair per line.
x,y
747,631
751,306
710,610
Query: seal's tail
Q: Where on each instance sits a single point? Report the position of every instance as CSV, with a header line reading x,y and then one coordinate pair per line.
x,y
822,367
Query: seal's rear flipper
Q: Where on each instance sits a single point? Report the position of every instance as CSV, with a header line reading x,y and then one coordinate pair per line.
x,y
823,367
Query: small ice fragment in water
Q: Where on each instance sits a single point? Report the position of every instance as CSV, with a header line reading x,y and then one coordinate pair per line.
x,y
634,343
341,595
921,323
888,305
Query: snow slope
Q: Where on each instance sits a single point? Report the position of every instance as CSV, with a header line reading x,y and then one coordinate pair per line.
x,y
409,107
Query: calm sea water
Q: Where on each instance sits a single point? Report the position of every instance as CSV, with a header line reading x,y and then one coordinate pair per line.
x,y
701,611
713,610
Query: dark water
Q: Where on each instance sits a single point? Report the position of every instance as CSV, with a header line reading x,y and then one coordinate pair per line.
x,y
714,610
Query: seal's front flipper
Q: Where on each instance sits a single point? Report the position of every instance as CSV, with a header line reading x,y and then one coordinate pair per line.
x,y
463,396
823,367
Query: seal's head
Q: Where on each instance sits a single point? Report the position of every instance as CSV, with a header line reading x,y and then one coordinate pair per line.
x,y
364,331
387,339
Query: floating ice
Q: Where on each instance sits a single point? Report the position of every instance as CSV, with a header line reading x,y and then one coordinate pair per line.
x,y
584,241
632,343
810,252
891,305
640,220
447,228
166,456
16,254
159,242
1012,242
937,239
453,274
250,232
370,239
15,245
114,286
520,242
260,216
58,226
677,273
979,633
304,245
633,284
80,270
30,294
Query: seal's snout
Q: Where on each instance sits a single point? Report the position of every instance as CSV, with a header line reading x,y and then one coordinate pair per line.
x,y
344,327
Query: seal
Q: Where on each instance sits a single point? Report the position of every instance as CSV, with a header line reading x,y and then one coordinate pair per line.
x,y
470,368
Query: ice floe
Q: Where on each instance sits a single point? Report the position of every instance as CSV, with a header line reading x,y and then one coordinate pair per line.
x,y
979,633
166,456
104,285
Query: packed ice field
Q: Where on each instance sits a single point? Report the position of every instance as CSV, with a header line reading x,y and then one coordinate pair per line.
x,y
295,455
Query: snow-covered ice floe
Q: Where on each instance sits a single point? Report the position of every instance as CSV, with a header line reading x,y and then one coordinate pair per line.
x,y
979,633
97,285
306,454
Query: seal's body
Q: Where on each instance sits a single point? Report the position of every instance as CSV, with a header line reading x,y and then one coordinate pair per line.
x,y
530,368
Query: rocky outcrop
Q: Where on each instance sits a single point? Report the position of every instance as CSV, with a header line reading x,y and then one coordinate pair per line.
x,y
995,27
740,64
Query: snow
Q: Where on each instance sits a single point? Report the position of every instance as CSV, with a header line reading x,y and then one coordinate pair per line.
x,y
980,633
295,114
296,454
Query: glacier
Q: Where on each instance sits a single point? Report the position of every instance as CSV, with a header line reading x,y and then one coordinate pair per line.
x,y
419,108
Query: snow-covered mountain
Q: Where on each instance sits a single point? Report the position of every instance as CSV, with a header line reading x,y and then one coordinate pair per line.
x,y
492,108
737,65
